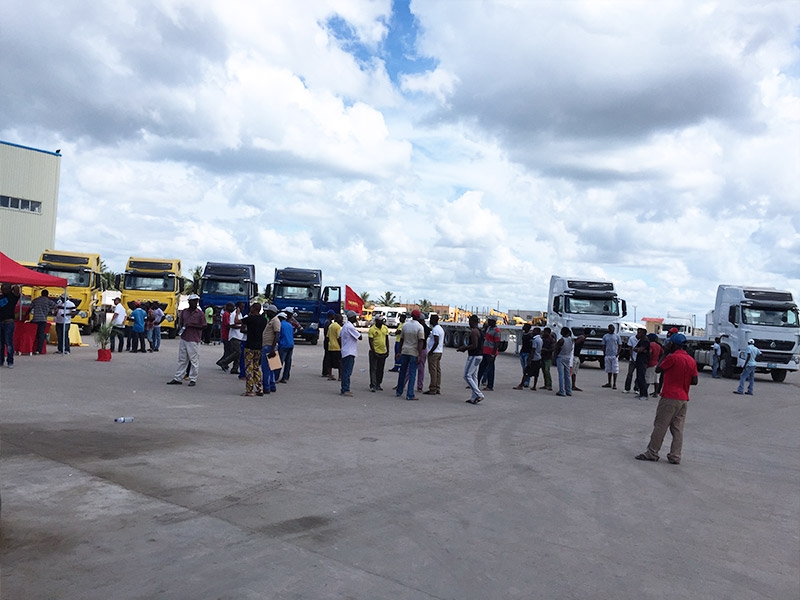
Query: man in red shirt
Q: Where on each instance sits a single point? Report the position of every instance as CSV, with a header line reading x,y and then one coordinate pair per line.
x,y
680,372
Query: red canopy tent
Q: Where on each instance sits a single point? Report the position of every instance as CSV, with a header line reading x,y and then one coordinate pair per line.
x,y
14,273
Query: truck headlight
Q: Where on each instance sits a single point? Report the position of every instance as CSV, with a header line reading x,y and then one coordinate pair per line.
x,y
796,358
83,314
170,318
314,325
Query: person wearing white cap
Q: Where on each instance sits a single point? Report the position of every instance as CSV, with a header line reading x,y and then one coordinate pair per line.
x,y
191,322
285,346
749,371
348,338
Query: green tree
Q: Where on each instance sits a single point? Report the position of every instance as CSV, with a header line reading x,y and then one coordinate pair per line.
x,y
107,277
425,305
388,299
193,286
365,299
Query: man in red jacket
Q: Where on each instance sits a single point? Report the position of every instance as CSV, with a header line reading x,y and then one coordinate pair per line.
x,y
680,372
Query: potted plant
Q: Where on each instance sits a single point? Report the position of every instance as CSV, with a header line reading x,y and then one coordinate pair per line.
x,y
103,339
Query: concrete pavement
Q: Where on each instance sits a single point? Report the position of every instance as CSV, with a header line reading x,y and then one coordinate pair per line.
x,y
308,494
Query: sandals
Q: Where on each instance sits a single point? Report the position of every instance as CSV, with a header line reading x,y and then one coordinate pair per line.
x,y
247,394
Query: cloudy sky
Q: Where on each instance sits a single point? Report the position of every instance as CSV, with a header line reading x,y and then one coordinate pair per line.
x,y
458,151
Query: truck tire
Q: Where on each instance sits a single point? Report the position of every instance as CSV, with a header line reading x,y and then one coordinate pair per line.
x,y
699,366
778,375
726,364
503,346
171,333
448,339
457,339
314,339
86,329
602,360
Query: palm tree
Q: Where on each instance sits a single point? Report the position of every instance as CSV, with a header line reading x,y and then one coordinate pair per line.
x,y
107,276
425,305
365,299
193,287
388,299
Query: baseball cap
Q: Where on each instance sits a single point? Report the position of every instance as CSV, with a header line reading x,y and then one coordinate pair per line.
x,y
331,312
289,310
281,315
673,330
380,317
350,314
272,308
652,337
751,341
193,297
415,314
678,339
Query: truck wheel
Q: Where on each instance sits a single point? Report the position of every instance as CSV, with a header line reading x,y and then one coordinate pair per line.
x,y
448,339
314,339
86,329
457,339
778,375
602,360
699,366
171,332
726,364
503,346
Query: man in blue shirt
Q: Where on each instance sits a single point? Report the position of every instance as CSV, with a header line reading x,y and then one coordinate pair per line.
x,y
749,370
138,316
285,345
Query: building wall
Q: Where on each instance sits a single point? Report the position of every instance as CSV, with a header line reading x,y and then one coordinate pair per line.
x,y
29,180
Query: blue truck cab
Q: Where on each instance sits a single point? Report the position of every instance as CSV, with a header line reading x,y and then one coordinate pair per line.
x,y
301,289
227,282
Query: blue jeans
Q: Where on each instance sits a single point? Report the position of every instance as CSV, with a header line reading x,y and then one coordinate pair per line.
x,y
7,341
564,376
156,338
523,360
486,370
714,366
471,376
348,362
267,374
749,376
286,361
408,364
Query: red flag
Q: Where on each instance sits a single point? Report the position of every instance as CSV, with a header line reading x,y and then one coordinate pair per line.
x,y
352,301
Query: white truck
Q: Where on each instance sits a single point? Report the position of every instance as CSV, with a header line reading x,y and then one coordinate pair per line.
x,y
587,307
766,315
681,321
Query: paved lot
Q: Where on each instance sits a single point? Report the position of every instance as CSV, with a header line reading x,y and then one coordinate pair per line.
x,y
307,494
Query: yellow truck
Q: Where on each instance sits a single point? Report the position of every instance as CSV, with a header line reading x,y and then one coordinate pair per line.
x,y
153,280
82,272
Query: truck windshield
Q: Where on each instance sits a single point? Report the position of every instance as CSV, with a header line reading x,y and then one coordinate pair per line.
x,y
227,288
289,292
74,278
770,317
149,284
592,306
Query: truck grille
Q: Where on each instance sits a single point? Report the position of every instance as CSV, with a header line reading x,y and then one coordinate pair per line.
x,y
781,345
774,357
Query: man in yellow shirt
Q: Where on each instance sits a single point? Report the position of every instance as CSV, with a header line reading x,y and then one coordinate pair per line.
x,y
334,347
378,351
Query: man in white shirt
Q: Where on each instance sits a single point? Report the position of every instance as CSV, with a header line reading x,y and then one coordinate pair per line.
x,y
118,324
611,346
435,349
348,337
412,341
65,309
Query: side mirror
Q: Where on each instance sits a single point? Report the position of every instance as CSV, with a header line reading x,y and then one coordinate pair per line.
x,y
117,279
624,308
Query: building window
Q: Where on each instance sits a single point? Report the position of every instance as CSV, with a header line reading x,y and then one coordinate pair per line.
x,y
20,204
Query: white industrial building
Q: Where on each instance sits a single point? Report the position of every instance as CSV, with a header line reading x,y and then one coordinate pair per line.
x,y
29,181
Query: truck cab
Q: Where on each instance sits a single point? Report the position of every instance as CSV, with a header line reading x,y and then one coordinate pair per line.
x,y
82,272
227,282
766,315
154,280
302,290
587,307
